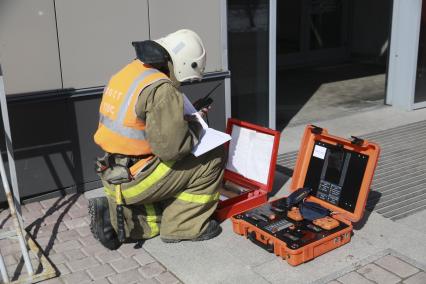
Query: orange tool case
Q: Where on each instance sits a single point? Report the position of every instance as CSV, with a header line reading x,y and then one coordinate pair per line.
x,y
250,170
338,173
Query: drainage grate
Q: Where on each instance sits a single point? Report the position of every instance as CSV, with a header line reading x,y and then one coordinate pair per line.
x,y
399,185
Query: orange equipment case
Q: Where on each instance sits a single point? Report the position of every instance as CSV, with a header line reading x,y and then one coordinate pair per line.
x,y
257,189
347,204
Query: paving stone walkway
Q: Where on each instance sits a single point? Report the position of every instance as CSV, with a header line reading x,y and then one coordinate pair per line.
x,y
61,227
388,269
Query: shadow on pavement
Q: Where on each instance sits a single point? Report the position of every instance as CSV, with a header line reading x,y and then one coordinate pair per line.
x,y
373,199
63,205
282,175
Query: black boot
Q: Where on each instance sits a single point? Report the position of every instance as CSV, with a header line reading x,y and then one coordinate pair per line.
x,y
213,230
100,223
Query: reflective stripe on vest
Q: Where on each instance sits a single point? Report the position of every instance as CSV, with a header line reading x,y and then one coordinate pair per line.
x,y
197,198
117,125
151,220
121,129
160,171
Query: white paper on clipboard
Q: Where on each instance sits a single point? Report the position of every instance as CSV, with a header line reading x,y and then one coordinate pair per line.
x,y
210,138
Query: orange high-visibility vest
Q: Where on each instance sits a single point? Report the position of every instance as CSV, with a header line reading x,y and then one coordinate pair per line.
x,y
120,131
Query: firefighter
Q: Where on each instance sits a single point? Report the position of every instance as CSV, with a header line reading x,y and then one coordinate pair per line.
x,y
148,171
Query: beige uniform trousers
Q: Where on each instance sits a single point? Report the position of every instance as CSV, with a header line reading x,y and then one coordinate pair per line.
x,y
180,204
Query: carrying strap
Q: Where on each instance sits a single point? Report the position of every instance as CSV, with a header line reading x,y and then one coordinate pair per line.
x,y
139,165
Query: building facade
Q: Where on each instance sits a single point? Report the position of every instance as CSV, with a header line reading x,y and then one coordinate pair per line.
x,y
57,56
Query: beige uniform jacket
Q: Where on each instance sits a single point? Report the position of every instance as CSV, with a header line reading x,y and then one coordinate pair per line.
x,y
170,136
160,105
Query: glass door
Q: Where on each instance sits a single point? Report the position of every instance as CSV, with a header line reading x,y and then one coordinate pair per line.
x,y
312,31
251,49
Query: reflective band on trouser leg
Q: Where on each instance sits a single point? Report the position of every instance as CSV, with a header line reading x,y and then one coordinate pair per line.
x,y
151,219
160,171
197,198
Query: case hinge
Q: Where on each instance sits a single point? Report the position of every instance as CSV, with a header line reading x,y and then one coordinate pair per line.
x,y
316,130
357,141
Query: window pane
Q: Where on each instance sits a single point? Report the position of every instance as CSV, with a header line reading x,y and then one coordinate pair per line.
x,y
289,26
325,23
248,43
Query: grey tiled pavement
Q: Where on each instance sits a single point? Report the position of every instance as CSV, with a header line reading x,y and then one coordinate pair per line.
x,y
61,227
66,240
387,270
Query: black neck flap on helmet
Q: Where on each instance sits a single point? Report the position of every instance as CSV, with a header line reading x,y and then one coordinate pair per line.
x,y
151,53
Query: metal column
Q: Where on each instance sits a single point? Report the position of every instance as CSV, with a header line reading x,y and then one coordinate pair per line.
x,y
13,200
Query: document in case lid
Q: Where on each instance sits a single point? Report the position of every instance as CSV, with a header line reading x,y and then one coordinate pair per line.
x,y
250,153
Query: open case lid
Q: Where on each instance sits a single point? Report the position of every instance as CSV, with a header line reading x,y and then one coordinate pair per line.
x,y
252,154
338,170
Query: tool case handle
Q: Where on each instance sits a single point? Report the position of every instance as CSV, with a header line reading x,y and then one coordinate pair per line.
x,y
252,237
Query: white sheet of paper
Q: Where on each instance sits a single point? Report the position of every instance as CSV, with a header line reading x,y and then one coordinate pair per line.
x,y
320,151
250,153
211,138
188,108
261,150
239,147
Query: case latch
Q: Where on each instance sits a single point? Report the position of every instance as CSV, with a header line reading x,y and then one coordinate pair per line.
x,y
357,141
316,130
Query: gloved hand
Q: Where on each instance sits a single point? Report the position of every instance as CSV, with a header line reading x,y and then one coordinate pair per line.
x,y
204,111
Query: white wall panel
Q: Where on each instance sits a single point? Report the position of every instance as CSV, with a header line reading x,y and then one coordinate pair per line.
x,y
202,16
28,46
95,38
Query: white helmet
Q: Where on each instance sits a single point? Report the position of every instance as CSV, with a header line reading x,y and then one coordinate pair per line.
x,y
187,53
